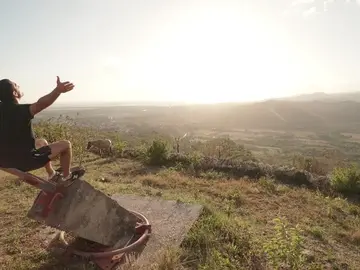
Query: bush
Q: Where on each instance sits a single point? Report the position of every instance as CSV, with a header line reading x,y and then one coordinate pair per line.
x,y
157,153
118,146
345,180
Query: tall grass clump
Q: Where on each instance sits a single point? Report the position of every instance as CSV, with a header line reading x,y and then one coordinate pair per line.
x,y
284,249
346,179
217,242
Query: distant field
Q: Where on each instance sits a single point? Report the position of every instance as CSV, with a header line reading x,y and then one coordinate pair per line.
x,y
250,125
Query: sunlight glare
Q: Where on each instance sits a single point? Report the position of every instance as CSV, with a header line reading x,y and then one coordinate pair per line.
x,y
210,59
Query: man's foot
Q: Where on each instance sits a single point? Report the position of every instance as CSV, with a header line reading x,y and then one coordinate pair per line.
x,y
55,177
74,174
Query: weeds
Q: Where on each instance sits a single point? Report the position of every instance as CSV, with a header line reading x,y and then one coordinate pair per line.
x,y
216,240
285,248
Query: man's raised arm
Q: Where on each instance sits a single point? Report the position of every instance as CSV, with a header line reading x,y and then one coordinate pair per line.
x,y
50,98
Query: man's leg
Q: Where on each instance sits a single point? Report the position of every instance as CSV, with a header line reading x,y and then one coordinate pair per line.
x,y
62,149
48,167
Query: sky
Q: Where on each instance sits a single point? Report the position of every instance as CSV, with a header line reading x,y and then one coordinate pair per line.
x,y
199,51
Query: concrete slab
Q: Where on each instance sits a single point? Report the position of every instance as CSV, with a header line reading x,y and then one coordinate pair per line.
x,y
90,214
170,221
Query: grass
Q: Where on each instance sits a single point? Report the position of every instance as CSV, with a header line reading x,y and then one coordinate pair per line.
x,y
245,225
256,216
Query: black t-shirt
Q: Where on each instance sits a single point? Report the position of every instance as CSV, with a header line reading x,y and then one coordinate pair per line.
x,y
16,133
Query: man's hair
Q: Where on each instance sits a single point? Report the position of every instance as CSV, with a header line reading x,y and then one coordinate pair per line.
x,y
6,91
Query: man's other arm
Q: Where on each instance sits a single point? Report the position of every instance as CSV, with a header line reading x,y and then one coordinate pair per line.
x,y
44,102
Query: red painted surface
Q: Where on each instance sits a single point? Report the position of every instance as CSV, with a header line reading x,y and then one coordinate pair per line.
x,y
46,201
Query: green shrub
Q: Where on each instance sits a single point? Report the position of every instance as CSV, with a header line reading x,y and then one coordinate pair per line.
x,y
157,152
118,146
346,180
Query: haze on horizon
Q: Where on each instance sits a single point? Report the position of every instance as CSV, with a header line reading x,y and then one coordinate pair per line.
x,y
202,51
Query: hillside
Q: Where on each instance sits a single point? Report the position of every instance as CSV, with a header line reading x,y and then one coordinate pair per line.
x,y
239,224
321,96
280,115
257,215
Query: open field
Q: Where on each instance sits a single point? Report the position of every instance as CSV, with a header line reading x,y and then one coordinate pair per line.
x,y
251,221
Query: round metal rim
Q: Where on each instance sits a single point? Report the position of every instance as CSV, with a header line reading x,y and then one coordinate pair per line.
x,y
114,251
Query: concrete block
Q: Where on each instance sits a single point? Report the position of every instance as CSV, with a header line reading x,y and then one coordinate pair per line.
x,y
170,222
90,214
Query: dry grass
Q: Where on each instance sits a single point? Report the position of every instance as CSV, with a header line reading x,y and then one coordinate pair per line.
x,y
231,234
355,237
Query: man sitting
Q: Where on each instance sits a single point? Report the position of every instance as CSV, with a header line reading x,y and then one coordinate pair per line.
x,y
17,142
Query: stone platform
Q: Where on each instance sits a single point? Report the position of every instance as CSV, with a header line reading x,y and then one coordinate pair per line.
x,y
170,222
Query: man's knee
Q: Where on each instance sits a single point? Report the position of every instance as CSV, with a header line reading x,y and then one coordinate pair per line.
x,y
59,147
65,144
40,142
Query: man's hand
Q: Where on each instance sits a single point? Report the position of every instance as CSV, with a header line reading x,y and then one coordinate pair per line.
x,y
63,87
46,101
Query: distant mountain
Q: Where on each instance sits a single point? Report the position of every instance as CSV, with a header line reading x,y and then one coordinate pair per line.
x,y
318,115
321,96
93,104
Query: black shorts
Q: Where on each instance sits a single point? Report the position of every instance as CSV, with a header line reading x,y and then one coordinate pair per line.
x,y
27,161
